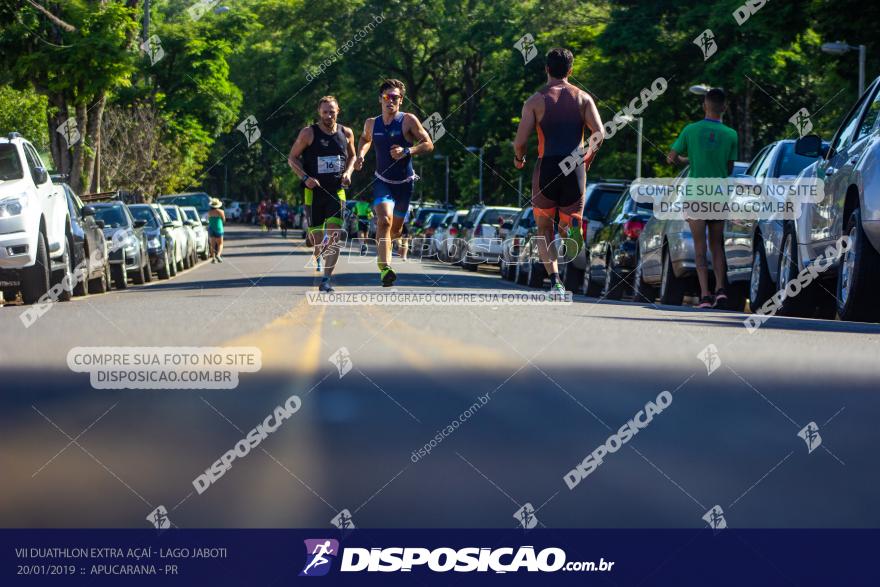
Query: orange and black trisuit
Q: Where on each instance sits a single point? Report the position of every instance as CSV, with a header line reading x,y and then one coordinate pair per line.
x,y
560,135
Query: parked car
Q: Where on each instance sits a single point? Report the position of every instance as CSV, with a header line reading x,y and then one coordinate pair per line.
x,y
176,235
418,216
600,198
422,242
851,173
199,200
160,243
128,244
666,259
184,234
34,224
89,251
482,233
614,249
446,234
752,247
233,211
200,230
511,247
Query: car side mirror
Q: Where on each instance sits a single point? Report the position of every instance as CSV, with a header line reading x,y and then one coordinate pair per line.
x,y
808,146
87,211
140,223
40,175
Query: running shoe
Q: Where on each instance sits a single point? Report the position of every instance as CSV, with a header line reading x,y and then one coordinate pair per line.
x,y
388,276
557,291
325,286
219,259
706,303
213,259
363,250
720,299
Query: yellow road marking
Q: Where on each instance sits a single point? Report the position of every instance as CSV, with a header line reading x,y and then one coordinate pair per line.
x,y
281,341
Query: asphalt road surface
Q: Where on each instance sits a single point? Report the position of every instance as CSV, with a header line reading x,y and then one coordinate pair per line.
x,y
557,380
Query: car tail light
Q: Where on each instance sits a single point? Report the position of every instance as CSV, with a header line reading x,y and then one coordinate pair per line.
x,y
479,230
633,228
453,231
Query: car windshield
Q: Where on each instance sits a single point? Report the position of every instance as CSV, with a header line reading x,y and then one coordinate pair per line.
x,y
601,202
424,213
172,212
144,213
633,207
790,163
113,216
10,164
191,215
201,202
435,220
496,215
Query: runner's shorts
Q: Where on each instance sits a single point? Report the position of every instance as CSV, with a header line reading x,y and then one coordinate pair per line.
x,y
325,209
555,190
398,193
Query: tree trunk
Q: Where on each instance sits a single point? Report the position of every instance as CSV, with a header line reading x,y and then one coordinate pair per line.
x,y
56,114
93,140
76,166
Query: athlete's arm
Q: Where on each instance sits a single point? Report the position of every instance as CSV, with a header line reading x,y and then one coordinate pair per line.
x,y
593,121
294,159
364,144
674,158
526,126
350,156
416,133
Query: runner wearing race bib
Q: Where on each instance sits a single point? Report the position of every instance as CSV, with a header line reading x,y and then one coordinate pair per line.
x,y
323,156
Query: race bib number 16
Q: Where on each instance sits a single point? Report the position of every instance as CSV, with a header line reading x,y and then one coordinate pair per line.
x,y
331,164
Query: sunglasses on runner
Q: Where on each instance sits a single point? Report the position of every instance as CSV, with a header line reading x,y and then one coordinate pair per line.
x,y
391,97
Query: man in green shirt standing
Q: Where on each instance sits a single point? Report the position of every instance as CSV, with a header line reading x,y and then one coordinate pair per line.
x,y
363,212
710,148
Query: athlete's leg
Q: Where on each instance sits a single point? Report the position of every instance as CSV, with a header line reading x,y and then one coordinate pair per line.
x,y
397,235
544,218
383,211
698,232
716,246
330,253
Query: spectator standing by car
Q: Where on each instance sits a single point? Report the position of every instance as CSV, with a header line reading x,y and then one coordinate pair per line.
x,y
216,219
710,147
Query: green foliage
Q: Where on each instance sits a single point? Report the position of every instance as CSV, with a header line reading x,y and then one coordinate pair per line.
x,y
24,112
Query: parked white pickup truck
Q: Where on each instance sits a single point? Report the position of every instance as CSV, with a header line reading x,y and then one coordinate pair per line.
x,y
34,224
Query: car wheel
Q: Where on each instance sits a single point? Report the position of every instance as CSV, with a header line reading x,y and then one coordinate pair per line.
x,y
138,276
642,292
614,283
760,285
204,254
671,287
789,267
65,275
148,270
857,278
592,287
187,260
101,284
536,274
120,279
172,267
83,284
35,279
164,269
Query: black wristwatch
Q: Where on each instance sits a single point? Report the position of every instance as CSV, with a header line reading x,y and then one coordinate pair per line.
x,y
305,178
406,152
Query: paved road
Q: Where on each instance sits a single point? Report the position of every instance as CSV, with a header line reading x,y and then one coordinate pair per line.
x,y
557,381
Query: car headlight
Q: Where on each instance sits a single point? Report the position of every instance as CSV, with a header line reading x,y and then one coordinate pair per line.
x,y
154,243
13,206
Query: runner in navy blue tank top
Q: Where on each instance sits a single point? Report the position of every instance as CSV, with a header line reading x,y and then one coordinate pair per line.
x,y
398,136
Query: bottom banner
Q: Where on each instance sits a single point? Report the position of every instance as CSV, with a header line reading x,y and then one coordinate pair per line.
x,y
438,557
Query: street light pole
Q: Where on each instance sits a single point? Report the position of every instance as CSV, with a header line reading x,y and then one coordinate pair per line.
x,y
447,180
862,51
839,48
639,150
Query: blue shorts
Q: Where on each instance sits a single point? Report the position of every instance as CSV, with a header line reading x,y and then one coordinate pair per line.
x,y
397,193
